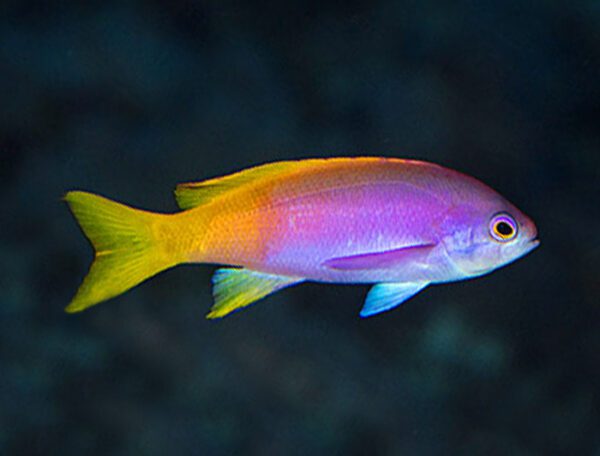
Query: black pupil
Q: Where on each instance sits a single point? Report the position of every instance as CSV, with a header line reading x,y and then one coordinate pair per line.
x,y
504,229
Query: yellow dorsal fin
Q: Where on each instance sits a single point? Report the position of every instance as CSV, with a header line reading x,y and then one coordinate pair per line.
x,y
194,194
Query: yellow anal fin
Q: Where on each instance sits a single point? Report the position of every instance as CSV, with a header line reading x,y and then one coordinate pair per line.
x,y
234,289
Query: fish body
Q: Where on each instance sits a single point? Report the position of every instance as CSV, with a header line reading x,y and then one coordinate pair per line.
x,y
401,224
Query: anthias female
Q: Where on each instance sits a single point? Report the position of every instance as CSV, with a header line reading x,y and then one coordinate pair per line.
x,y
398,224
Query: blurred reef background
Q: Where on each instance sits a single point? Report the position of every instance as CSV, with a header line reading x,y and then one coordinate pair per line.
x,y
128,98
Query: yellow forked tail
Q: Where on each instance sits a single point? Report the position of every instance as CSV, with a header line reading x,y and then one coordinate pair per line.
x,y
127,250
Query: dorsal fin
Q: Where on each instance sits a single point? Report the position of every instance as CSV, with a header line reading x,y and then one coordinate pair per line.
x,y
194,194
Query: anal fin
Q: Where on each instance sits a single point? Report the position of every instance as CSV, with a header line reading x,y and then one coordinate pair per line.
x,y
235,288
386,296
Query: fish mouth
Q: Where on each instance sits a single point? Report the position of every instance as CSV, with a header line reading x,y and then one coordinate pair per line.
x,y
532,244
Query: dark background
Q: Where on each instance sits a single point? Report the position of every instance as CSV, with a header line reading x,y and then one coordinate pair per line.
x,y
129,98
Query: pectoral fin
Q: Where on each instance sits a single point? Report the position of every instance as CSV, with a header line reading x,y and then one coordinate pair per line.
x,y
382,260
236,288
386,296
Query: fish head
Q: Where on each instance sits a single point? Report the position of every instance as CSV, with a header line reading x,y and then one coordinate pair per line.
x,y
483,236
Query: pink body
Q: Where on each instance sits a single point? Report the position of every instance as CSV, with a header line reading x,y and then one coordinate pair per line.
x,y
327,209
400,224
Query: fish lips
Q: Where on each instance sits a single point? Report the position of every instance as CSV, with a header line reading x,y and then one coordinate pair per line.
x,y
530,245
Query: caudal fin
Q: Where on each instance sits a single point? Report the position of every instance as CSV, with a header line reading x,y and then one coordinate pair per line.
x,y
127,251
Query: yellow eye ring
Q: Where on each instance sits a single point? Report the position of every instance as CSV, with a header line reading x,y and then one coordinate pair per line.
x,y
503,227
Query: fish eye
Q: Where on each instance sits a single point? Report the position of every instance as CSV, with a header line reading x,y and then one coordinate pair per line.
x,y
503,227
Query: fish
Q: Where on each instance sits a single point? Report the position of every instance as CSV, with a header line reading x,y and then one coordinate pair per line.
x,y
398,224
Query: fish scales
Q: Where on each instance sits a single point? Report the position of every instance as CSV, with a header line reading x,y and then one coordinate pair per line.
x,y
401,224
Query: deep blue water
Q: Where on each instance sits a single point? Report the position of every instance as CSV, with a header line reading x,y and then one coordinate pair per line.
x,y
129,98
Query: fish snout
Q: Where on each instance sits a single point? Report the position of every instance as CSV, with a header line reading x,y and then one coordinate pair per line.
x,y
531,231
530,234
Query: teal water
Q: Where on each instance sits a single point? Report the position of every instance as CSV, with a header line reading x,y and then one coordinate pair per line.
x,y
126,99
